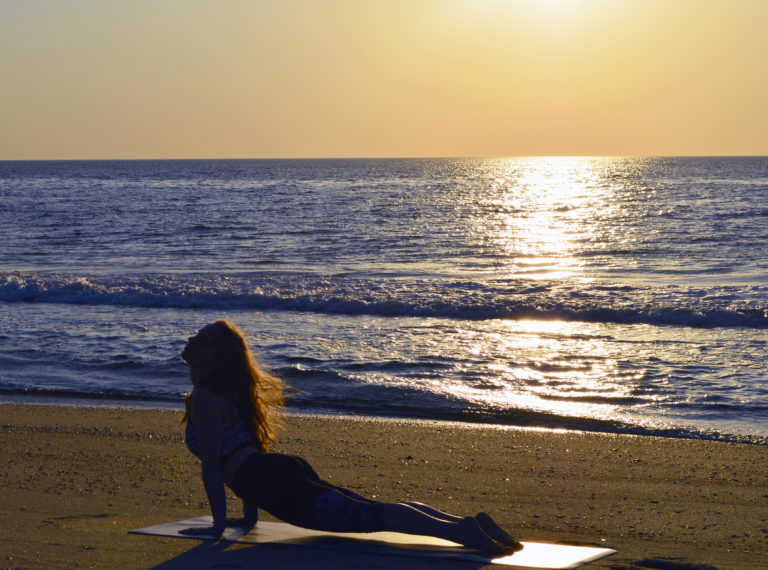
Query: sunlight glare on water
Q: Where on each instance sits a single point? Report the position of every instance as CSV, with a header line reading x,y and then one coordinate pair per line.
x,y
545,211
552,367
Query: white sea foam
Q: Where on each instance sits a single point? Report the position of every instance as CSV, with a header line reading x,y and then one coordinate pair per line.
x,y
724,306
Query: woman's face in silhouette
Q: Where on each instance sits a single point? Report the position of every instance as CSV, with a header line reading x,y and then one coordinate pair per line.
x,y
200,349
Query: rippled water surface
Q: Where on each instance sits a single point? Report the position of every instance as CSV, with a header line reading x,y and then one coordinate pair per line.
x,y
595,293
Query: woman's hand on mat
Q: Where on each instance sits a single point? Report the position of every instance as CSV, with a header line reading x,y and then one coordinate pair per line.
x,y
214,531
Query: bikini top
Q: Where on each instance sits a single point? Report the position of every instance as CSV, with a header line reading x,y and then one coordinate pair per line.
x,y
235,437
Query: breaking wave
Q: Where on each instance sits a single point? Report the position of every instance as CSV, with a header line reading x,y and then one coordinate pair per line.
x,y
721,306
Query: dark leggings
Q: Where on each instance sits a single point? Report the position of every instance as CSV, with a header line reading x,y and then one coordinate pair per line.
x,y
288,488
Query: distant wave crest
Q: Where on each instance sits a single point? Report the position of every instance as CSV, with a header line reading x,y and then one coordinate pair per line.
x,y
476,300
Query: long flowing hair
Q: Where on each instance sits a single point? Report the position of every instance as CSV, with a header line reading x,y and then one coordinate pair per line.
x,y
238,376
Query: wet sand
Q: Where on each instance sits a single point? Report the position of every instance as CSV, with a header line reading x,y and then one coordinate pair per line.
x,y
75,480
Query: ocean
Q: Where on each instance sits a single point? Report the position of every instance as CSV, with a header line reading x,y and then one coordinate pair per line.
x,y
621,295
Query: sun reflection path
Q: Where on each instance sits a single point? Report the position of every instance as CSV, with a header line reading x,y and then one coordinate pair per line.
x,y
553,219
542,212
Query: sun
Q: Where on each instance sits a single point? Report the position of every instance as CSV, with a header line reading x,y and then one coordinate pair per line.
x,y
556,6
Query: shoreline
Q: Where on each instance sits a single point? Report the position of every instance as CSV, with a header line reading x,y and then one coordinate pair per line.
x,y
149,404
75,480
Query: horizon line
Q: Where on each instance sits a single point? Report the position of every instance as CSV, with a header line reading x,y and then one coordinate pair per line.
x,y
425,157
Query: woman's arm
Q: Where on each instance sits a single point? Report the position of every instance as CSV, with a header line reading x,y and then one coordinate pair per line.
x,y
205,413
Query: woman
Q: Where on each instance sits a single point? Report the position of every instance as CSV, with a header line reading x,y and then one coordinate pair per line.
x,y
231,416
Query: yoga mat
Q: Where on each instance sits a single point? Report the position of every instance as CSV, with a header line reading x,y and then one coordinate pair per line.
x,y
533,554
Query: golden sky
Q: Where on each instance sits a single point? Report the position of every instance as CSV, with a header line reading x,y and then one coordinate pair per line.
x,y
382,78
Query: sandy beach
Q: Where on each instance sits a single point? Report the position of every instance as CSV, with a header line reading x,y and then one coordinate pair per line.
x,y
75,480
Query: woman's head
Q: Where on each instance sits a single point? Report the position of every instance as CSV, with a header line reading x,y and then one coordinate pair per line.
x,y
220,351
221,356
200,351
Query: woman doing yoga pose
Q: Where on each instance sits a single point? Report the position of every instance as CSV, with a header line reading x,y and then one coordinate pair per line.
x,y
231,415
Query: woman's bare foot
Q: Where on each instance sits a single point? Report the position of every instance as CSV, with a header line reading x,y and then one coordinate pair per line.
x,y
472,535
489,527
